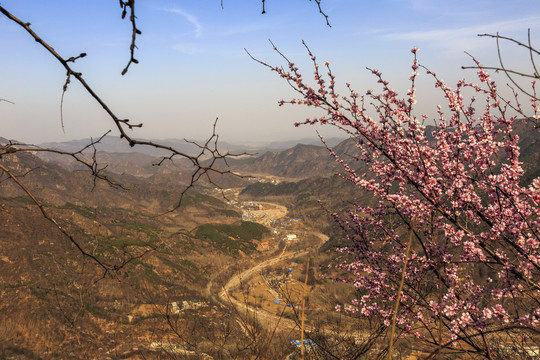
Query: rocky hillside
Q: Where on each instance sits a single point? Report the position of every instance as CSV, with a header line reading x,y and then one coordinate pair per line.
x,y
55,302
299,162
305,161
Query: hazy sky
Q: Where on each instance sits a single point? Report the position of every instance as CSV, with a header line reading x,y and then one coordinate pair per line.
x,y
193,67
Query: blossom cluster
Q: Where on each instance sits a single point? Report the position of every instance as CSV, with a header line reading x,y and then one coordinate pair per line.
x,y
455,185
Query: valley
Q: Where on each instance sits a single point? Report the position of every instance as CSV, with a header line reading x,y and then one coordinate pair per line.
x,y
180,278
227,275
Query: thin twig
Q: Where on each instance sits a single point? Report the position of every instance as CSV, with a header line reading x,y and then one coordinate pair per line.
x,y
123,125
511,40
318,2
303,309
106,267
398,298
78,156
532,76
134,31
531,53
507,71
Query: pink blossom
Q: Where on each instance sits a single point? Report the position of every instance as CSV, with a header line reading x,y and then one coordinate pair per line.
x,y
459,186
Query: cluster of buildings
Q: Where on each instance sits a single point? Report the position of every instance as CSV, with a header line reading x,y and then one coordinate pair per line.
x,y
186,305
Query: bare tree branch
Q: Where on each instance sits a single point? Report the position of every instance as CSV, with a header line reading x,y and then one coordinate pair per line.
x,y
519,43
97,173
318,2
124,4
507,71
512,74
123,125
205,167
106,267
531,52
92,165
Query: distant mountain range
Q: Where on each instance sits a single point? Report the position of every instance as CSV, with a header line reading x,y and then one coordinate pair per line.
x,y
289,159
114,144
299,162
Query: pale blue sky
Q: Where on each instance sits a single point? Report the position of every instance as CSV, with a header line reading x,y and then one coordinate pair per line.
x,y
193,67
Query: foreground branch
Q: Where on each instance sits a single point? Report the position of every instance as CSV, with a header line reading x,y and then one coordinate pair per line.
x,y
203,167
509,72
124,125
38,203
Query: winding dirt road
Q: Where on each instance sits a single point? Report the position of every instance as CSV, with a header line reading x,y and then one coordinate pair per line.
x,y
269,320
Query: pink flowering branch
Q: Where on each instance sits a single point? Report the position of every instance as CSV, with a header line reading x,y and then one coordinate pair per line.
x,y
460,182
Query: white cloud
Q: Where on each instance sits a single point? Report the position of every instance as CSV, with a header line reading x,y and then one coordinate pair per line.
x,y
190,18
458,37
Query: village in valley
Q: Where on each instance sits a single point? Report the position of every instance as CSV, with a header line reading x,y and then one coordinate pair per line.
x,y
271,287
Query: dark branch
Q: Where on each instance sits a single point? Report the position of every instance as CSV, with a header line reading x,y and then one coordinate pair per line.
x,y
105,267
134,30
509,72
123,125
318,2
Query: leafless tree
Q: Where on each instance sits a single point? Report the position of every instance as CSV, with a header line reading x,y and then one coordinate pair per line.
x,y
202,167
514,75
